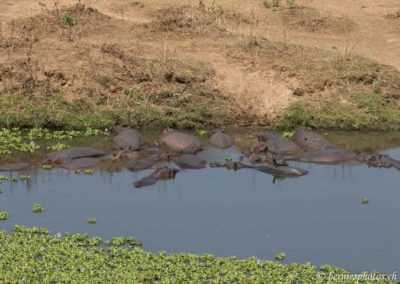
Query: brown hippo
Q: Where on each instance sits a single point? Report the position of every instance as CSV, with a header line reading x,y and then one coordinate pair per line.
x,y
73,153
220,139
281,171
15,167
129,140
256,148
190,162
311,140
82,163
140,165
163,173
181,142
328,156
280,145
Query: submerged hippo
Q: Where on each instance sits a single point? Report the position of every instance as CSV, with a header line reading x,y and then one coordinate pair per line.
x,y
190,162
129,139
140,165
379,161
181,142
311,140
280,145
230,165
73,153
281,171
163,173
82,163
15,167
221,140
329,156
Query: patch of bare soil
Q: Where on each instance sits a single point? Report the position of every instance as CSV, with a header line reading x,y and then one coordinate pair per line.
x,y
44,54
311,20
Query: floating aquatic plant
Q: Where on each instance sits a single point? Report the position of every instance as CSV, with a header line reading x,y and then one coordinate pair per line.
x,y
16,140
88,171
57,147
280,256
47,166
92,220
37,208
24,177
365,200
4,215
34,256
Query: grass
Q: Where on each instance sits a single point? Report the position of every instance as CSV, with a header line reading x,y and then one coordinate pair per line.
x,y
146,110
33,256
358,111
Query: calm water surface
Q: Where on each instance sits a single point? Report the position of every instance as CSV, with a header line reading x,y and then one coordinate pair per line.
x,y
317,218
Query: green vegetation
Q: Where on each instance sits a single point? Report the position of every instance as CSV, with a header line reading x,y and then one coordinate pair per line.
x,y
358,111
365,200
4,215
24,177
37,208
17,140
280,256
68,20
147,110
34,256
57,147
89,172
47,166
92,221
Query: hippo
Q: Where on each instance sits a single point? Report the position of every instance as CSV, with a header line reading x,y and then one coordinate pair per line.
x,y
127,155
129,140
280,145
181,142
163,173
379,161
267,158
281,171
15,167
230,165
311,140
82,163
328,156
220,139
256,148
140,165
190,162
73,153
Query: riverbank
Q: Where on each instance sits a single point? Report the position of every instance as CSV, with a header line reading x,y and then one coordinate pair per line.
x,y
196,66
33,255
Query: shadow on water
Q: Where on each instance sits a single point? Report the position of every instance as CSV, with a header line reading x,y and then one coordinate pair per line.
x,y
316,218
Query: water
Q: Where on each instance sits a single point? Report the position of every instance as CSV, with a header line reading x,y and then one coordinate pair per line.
x,y
316,218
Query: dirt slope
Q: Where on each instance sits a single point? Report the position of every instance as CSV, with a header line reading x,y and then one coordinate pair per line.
x,y
136,44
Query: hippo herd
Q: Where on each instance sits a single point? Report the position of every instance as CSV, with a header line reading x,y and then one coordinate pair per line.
x,y
176,151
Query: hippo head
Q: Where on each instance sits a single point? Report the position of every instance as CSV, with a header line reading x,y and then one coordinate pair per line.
x,y
167,131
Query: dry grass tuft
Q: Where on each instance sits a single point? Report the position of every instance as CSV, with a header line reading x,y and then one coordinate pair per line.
x,y
310,20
